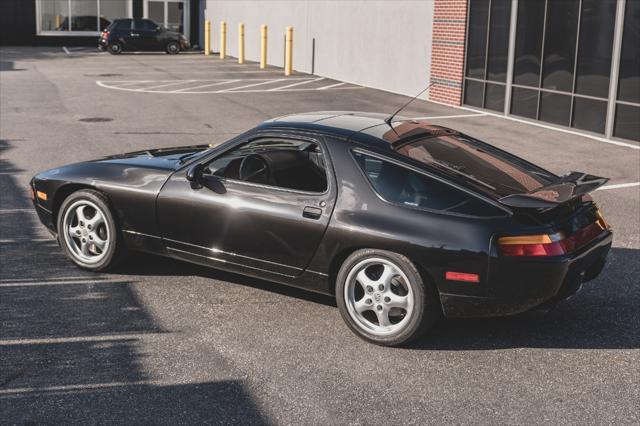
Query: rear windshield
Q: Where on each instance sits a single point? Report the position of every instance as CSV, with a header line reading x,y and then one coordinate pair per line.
x,y
496,172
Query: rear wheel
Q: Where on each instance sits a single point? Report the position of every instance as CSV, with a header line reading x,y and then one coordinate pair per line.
x,y
173,48
87,231
115,48
383,298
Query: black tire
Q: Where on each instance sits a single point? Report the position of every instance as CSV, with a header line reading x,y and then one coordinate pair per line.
x,y
173,48
426,308
115,48
115,248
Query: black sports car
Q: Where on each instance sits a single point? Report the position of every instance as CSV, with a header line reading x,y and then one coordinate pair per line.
x,y
401,220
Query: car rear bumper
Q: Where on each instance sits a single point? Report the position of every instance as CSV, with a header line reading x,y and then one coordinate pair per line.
x,y
518,285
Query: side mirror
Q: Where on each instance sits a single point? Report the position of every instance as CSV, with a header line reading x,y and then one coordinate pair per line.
x,y
213,183
194,175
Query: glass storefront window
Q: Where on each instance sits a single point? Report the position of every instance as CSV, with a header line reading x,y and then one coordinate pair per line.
x,y
562,62
53,14
110,10
79,16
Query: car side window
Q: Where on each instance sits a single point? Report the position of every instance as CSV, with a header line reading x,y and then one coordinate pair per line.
x,y
144,25
123,25
283,163
400,185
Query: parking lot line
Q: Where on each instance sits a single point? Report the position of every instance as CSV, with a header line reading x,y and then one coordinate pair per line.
x,y
618,186
435,117
295,84
207,85
44,283
545,126
331,86
165,85
252,85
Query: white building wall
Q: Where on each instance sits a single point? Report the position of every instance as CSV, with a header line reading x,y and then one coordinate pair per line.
x,y
381,44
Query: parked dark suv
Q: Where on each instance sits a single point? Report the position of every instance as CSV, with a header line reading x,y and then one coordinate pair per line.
x,y
140,35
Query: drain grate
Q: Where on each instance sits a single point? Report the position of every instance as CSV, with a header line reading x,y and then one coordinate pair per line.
x,y
96,119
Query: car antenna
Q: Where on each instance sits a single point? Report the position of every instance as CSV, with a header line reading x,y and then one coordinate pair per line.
x,y
390,118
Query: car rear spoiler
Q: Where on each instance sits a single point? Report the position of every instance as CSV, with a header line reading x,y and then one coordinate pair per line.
x,y
568,187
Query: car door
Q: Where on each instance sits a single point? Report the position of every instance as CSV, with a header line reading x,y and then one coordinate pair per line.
x,y
244,226
141,38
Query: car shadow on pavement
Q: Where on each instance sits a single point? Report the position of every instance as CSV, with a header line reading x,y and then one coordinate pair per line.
x,y
150,265
604,315
77,347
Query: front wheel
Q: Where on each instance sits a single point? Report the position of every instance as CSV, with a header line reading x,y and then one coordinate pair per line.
x,y
173,48
383,298
87,231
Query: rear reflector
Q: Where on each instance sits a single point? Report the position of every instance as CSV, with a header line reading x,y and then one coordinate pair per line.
x,y
462,276
550,244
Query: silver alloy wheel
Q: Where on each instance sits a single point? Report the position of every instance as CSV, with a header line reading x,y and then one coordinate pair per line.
x,y
173,47
86,232
115,48
378,296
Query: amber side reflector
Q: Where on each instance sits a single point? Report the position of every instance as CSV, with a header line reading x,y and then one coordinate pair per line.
x,y
41,195
462,276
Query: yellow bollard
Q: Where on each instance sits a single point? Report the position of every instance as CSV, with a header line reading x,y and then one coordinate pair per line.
x,y
241,43
288,55
263,46
223,40
207,37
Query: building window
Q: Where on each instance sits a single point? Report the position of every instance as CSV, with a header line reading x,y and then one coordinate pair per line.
x,y
562,62
627,118
563,51
487,52
79,17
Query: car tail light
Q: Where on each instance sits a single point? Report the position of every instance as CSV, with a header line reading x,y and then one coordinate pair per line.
x,y
550,244
105,34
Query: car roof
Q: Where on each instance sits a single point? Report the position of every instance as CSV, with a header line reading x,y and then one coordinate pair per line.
x,y
364,127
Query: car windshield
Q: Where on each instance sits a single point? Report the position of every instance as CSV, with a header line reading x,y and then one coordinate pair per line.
x,y
470,159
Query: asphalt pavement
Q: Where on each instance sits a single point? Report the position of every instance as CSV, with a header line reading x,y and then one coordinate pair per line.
x,y
164,342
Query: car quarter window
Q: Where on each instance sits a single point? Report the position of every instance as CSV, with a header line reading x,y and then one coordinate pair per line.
x,y
400,185
144,24
124,24
279,162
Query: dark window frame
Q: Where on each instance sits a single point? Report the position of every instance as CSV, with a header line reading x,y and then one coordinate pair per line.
x,y
296,138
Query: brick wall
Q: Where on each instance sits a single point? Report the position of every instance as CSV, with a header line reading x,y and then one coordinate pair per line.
x,y
447,51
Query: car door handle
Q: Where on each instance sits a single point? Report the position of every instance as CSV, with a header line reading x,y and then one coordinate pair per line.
x,y
135,35
312,212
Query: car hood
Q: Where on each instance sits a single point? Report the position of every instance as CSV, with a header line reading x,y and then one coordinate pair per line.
x,y
159,158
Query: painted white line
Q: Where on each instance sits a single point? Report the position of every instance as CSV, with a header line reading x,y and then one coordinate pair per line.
x,y
545,126
49,283
295,84
331,86
11,174
250,85
163,85
25,240
72,388
9,211
436,117
206,85
66,50
78,339
93,277
132,83
618,186
190,91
